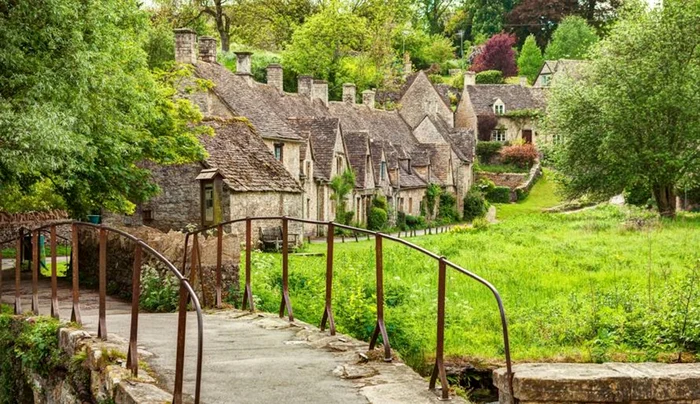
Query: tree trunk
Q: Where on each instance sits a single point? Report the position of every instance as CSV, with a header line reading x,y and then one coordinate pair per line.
x,y
665,197
224,41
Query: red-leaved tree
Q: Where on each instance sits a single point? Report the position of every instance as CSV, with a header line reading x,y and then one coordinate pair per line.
x,y
497,54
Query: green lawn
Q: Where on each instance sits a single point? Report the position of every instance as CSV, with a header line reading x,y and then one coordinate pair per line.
x,y
543,195
588,286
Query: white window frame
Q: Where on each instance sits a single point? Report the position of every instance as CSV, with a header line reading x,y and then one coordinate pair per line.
x,y
498,135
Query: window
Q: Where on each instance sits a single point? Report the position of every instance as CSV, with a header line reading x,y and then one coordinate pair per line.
x,y
546,78
498,135
339,165
308,209
278,151
209,202
410,205
147,216
382,170
499,109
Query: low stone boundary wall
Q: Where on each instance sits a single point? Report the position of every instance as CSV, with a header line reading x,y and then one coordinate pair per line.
x,y
629,383
10,223
525,187
520,184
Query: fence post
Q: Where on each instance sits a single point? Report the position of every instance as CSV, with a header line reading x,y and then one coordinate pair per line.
x,y
35,272
247,292
18,279
180,354
328,312
132,358
439,369
380,327
54,279
75,311
286,303
102,323
219,252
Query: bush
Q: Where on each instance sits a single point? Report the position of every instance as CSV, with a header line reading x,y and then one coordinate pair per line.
x,y
474,205
415,222
348,217
485,123
380,202
448,210
401,221
638,195
376,219
159,293
489,77
487,150
499,195
521,194
521,155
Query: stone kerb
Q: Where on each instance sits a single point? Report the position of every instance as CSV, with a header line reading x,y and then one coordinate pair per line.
x,y
572,383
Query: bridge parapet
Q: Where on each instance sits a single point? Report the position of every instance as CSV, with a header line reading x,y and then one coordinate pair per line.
x,y
588,383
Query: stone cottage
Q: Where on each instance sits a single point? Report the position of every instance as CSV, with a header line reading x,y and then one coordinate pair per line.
x,y
514,108
555,68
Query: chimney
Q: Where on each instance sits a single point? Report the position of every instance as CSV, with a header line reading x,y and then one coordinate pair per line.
x,y
523,81
207,49
243,63
469,79
185,44
305,85
368,98
275,77
320,91
349,93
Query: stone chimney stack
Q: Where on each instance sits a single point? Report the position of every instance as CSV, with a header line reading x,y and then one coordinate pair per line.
x,y
368,98
469,79
349,93
185,45
275,76
523,81
207,49
305,85
319,91
243,63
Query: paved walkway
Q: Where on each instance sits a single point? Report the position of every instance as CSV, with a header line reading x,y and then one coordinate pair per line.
x,y
403,234
250,358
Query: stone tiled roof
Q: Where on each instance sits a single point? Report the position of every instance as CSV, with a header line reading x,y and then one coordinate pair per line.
x,y
356,144
514,97
463,142
410,179
247,101
244,160
379,124
322,132
438,156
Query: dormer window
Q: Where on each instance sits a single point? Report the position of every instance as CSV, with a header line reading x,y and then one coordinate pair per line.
x,y
278,151
499,108
382,170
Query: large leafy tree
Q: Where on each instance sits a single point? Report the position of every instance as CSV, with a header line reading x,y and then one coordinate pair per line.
x,y
498,54
530,60
571,40
539,18
632,118
79,107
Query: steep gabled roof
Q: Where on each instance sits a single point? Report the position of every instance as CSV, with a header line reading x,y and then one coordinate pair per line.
x,y
322,133
514,97
438,156
463,142
241,156
410,179
357,146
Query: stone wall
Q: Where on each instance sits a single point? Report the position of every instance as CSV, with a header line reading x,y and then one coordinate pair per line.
x,y
120,257
510,180
10,223
573,383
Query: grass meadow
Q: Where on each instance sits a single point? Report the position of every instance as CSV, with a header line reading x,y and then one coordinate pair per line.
x,y
604,284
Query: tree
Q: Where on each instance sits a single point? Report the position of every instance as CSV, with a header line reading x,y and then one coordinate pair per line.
x,y
498,54
632,118
571,40
79,107
433,12
342,185
217,10
530,60
539,18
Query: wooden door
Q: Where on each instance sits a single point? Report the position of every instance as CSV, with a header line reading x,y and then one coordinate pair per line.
x,y
527,135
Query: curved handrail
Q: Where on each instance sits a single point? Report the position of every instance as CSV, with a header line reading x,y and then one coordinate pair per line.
x,y
185,287
378,236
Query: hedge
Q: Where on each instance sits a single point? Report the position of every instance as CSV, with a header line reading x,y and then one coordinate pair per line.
x,y
474,205
376,219
489,77
487,150
498,195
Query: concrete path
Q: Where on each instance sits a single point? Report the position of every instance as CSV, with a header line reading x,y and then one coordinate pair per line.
x,y
250,358
411,233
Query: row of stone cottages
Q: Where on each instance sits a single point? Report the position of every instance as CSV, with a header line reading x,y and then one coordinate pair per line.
x,y
275,153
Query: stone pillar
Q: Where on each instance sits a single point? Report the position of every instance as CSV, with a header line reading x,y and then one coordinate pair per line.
x,y
243,62
349,93
185,44
305,85
207,49
319,91
275,76
368,98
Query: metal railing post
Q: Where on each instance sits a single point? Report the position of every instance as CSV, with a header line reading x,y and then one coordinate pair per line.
x,y
380,327
75,310
132,358
439,369
54,275
328,311
35,272
248,292
219,252
18,278
102,323
180,354
286,303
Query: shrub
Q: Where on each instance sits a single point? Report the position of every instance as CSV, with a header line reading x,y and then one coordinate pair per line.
x,y
448,209
348,217
521,194
520,155
376,218
380,202
485,185
485,123
499,195
487,150
480,224
638,195
159,293
489,77
401,221
474,205
436,79
415,222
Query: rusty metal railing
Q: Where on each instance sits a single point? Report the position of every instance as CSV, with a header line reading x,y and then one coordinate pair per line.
x,y
327,318
187,293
